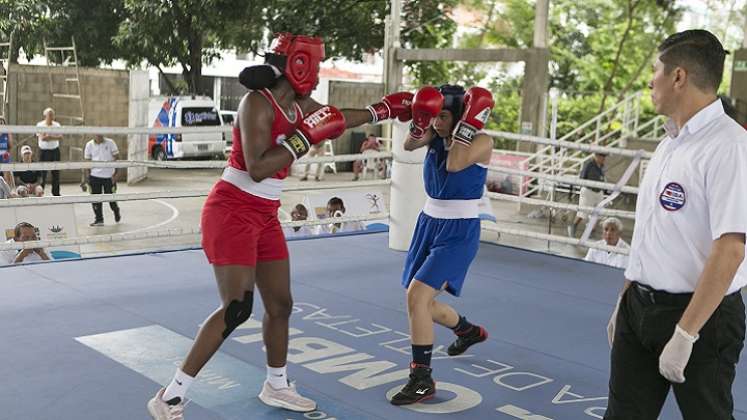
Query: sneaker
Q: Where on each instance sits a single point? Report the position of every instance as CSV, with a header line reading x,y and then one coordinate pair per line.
x,y
419,388
467,340
287,398
165,410
305,178
117,216
97,223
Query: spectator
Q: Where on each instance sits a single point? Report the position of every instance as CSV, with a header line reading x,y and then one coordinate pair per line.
x,y
371,143
299,213
336,208
29,182
593,170
612,229
24,232
316,150
49,149
102,149
6,144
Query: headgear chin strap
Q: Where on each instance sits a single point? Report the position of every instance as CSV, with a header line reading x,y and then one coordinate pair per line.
x,y
453,100
298,57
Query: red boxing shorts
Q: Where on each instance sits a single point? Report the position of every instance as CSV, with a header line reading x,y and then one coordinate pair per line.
x,y
241,229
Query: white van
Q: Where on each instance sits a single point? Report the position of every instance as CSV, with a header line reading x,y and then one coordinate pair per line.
x,y
184,111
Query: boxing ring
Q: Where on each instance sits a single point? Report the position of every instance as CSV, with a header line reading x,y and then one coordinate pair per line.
x,y
94,338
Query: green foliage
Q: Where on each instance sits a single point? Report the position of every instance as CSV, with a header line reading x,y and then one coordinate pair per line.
x,y
426,24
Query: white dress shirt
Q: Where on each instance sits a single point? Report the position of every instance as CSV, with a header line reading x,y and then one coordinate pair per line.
x,y
694,191
613,259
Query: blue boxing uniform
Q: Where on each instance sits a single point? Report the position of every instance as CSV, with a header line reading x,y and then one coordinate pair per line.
x,y
4,148
447,234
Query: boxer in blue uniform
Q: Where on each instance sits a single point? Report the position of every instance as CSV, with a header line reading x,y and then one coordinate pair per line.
x,y
448,121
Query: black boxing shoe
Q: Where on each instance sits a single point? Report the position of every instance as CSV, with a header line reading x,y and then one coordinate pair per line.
x,y
475,335
419,388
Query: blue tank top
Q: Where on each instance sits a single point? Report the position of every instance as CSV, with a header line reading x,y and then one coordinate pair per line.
x,y
467,184
4,148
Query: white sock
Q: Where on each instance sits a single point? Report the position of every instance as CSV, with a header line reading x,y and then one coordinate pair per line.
x,y
178,386
277,378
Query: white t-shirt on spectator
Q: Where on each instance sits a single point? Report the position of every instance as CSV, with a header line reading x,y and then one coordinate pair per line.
x,y
613,259
101,152
692,193
47,145
9,257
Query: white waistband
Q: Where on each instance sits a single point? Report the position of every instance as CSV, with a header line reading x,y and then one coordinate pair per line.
x,y
268,188
452,209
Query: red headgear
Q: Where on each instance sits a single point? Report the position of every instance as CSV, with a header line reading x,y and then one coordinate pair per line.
x,y
301,56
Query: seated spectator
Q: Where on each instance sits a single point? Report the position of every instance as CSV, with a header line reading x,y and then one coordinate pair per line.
x,y
29,182
612,228
371,143
6,144
299,213
336,208
24,232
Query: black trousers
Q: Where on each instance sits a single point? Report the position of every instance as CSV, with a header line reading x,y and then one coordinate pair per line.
x,y
51,155
105,184
645,323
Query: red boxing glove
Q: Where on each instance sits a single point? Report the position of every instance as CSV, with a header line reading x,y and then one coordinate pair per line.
x,y
395,105
425,107
478,103
325,123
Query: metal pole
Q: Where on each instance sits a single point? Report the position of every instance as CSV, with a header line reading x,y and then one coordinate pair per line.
x,y
553,136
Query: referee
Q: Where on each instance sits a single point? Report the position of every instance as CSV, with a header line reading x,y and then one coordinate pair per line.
x,y
680,321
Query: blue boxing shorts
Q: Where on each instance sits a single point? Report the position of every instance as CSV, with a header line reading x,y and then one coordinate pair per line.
x,y
441,252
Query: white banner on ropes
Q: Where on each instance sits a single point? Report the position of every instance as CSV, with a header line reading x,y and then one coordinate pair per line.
x,y
322,205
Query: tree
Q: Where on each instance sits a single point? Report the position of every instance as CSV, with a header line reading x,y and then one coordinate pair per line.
x,y
28,21
426,24
93,25
186,33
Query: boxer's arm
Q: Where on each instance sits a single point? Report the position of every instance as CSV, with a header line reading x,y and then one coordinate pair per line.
x,y
414,144
255,117
353,117
461,156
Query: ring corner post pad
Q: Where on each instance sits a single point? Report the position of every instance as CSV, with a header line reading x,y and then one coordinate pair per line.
x,y
407,195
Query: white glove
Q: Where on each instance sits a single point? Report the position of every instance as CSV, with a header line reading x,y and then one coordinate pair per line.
x,y
613,321
676,354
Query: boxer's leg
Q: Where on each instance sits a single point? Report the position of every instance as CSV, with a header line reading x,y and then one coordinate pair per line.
x,y
273,283
235,284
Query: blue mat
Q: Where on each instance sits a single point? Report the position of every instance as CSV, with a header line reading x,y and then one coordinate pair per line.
x,y
92,339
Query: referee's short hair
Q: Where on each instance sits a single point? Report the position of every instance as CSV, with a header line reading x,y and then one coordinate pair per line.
x,y
697,51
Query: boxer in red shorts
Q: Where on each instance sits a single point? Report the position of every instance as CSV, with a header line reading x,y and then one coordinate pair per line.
x,y
277,123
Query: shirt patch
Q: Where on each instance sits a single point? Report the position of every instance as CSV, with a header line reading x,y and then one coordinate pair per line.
x,y
673,197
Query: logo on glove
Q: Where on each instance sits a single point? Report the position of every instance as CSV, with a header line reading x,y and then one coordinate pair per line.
x,y
318,117
299,145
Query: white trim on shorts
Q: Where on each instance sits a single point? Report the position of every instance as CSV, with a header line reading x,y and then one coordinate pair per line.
x,y
268,188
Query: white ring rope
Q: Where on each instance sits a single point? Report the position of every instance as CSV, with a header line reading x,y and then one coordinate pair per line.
x,y
592,148
564,206
91,130
554,238
564,179
105,198
208,164
173,232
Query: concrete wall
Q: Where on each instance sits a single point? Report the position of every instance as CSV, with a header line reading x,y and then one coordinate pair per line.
x,y
105,103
